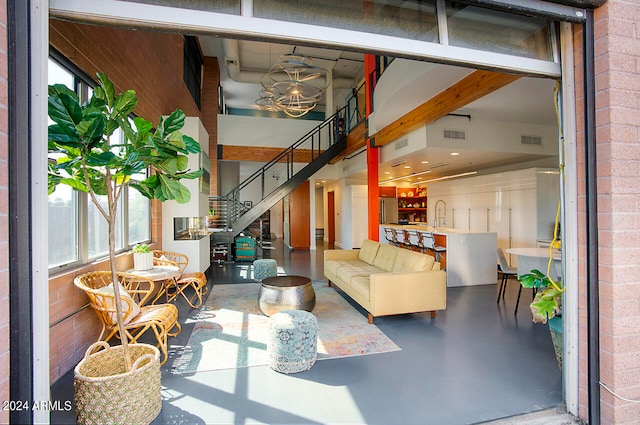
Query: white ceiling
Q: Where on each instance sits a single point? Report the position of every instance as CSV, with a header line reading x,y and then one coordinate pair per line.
x,y
527,100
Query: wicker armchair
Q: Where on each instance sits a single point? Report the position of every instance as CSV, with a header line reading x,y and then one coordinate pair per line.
x,y
138,317
195,280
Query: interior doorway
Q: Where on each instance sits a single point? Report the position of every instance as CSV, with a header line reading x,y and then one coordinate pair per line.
x,y
331,219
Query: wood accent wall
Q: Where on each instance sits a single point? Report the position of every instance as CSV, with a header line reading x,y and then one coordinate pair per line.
x,y
356,139
261,154
299,211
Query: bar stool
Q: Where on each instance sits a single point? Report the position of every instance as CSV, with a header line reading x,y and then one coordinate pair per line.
x,y
390,235
429,243
402,238
414,240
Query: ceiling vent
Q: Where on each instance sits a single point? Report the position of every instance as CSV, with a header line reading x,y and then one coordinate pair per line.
x,y
455,134
401,144
530,140
345,169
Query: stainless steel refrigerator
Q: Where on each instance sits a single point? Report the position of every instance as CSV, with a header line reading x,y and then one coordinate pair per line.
x,y
388,210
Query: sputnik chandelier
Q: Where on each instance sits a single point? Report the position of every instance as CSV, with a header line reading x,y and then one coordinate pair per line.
x,y
293,85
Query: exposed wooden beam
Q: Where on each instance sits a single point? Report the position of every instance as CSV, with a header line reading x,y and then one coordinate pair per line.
x,y
259,153
473,87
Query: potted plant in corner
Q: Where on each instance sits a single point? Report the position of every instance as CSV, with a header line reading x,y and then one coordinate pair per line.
x,y
546,305
84,154
142,257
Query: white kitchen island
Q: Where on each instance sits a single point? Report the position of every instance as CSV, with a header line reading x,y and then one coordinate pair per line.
x,y
470,257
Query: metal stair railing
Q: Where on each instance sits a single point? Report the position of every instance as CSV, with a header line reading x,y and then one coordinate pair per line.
x,y
276,179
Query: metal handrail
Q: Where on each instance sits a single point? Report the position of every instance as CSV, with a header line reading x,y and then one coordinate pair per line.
x,y
313,143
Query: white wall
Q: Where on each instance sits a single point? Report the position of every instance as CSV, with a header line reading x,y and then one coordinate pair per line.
x,y
520,206
261,131
198,206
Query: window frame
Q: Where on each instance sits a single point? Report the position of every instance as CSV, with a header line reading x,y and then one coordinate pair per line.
x,y
82,86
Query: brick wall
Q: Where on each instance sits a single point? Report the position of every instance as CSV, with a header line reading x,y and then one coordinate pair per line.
x,y
4,216
617,67
617,72
150,63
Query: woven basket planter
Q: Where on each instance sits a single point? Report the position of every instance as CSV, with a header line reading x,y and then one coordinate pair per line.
x,y
106,394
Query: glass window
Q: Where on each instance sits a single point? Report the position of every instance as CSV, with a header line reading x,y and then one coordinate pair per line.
x,y
81,234
63,202
98,229
499,32
415,20
139,209
63,226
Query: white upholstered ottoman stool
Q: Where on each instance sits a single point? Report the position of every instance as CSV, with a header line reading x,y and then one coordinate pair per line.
x,y
264,268
293,341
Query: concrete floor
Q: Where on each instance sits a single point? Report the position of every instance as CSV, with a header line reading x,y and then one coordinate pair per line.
x,y
473,363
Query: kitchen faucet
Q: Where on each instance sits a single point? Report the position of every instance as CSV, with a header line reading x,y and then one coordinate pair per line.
x,y
439,219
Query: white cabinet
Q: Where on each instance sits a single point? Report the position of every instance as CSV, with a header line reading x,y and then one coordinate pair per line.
x,y
520,206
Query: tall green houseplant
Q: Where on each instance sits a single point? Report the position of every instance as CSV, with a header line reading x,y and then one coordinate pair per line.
x,y
84,154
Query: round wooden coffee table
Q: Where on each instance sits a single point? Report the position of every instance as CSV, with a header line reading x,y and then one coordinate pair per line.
x,y
281,293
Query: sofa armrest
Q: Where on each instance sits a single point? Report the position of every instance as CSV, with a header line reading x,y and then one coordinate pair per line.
x,y
398,292
341,254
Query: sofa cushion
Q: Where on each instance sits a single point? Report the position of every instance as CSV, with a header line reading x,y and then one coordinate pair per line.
x,y
360,284
368,251
348,272
331,266
386,256
411,261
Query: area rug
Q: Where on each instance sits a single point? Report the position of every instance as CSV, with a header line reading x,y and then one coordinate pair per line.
x,y
231,331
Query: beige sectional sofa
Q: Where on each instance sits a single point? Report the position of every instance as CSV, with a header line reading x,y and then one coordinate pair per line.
x,y
385,279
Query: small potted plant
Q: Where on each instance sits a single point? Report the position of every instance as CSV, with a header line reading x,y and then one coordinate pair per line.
x,y
546,305
142,257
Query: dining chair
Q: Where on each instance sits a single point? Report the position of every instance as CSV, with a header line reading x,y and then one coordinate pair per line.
x,y
174,287
138,317
507,271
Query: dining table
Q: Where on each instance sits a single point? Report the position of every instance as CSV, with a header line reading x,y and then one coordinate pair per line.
x,y
537,258
164,274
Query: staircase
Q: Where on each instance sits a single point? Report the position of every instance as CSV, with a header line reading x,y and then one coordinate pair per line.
x,y
267,186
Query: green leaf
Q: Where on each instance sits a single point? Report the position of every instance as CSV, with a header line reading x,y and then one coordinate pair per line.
x,y
190,175
60,134
64,109
183,162
174,122
544,309
145,190
77,184
99,159
191,145
108,92
173,189
169,165
126,103
143,127
92,129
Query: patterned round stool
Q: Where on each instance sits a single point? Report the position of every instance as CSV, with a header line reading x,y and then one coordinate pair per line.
x,y
293,341
265,268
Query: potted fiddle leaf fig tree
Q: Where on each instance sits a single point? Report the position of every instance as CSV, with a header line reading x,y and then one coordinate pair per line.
x,y
87,154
